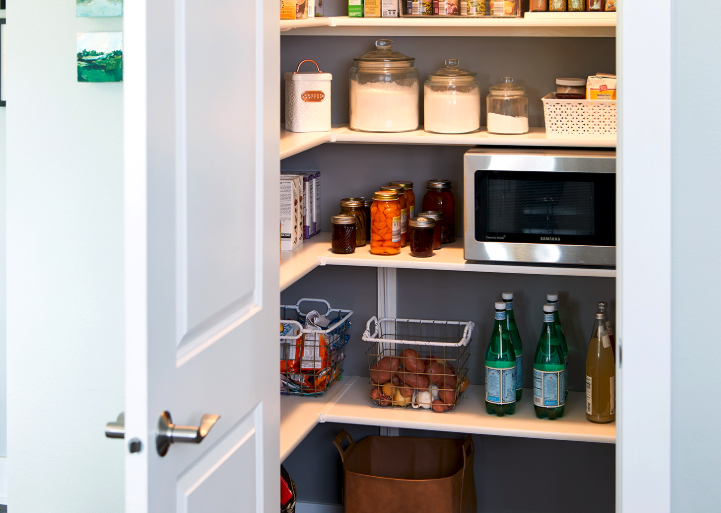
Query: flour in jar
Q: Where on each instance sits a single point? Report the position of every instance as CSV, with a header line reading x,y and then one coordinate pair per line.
x,y
500,124
383,107
451,112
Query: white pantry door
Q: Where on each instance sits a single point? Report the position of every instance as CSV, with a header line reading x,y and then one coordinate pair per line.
x,y
201,274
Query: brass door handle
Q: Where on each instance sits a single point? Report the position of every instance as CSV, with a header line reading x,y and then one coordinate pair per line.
x,y
169,433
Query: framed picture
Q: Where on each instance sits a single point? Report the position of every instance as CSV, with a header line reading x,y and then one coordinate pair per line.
x,y
2,62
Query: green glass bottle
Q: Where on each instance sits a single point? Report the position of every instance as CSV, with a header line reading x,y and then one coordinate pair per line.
x,y
549,399
553,300
516,341
500,368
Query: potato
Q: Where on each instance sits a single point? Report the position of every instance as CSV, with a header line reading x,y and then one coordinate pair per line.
x,y
438,406
375,394
406,391
411,362
395,380
400,400
448,398
419,381
465,383
442,375
383,370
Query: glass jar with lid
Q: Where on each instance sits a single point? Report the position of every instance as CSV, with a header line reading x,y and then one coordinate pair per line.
x,y
356,207
422,236
385,223
343,235
437,217
384,91
452,100
368,203
399,189
439,197
410,196
507,106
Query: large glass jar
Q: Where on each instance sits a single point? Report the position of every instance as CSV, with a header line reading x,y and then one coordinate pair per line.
x,y
410,196
343,235
507,106
398,189
440,198
437,217
384,91
421,231
385,223
356,207
451,100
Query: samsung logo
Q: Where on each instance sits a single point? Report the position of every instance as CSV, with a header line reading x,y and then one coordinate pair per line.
x,y
552,239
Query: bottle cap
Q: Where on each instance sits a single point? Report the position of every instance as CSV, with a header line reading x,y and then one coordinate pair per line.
x,y
602,306
343,220
507,296
438,184
549,308
600,316
500,305
352,202
551,297
385,195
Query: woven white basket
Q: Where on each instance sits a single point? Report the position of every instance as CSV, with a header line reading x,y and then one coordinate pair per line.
x,y
584,118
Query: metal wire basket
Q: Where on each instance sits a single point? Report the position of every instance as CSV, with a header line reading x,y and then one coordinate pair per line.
x,y
311,360
417,363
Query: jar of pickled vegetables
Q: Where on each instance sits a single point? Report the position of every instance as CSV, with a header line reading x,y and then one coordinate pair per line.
x,y
400,190
439,197
343,235
368,202
421,235
438,219
410,196
385,223
356,207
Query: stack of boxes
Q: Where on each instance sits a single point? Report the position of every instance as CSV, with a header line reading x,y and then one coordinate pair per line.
x,y
299,207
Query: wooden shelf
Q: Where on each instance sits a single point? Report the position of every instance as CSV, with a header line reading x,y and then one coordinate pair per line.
x,y
548,25
292,143
316,251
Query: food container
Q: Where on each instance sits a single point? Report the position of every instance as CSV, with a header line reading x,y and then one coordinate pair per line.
x,y
307,100
301,9
438,219
585,118
356,207
421,235
507,106
343,237
505,8
368,203
594,5
557,5
384,91
452,100
410,196
439,197
571,88
538,6
400,190
576,5
385,223
474,8
610,5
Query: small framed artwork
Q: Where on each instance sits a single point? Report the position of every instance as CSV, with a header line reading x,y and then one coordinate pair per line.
x,y
97,8
2,62
100,57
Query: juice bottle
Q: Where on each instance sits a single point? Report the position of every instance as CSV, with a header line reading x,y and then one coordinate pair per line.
x,y
603,308
500,368
549,399
553,300
600,375
516,341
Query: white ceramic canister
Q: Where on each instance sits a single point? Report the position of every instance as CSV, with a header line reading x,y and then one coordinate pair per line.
x,y
307,100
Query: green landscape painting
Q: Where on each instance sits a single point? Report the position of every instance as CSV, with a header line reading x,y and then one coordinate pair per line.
x,y
100,57
98,8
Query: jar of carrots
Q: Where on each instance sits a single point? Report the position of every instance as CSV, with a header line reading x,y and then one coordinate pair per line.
x,y
410,196
385,223
398,189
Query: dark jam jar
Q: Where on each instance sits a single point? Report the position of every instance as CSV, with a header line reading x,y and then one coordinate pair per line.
x,y
421,236
356,207
438,218
439,197
343,237
368,202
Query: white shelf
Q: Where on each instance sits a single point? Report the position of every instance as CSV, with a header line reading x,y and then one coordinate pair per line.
x,y
292,143
573,25
317,251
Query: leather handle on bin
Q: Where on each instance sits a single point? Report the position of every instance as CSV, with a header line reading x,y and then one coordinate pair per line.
x,y
338,439
468,450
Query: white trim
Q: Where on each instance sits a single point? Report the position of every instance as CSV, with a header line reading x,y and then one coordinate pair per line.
x,y
3,481
313,507
643,463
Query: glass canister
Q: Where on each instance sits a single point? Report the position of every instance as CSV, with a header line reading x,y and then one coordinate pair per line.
x,y
343,235
452,100
438,219
385,223
384,91
399,189
440,198
368,203
356,207
410,196
422,236
507,106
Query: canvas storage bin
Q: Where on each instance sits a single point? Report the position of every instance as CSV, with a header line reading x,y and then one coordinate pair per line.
x,y
307,100
391,474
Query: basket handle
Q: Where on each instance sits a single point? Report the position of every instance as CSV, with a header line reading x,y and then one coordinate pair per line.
x,y
313,300
468,332
367,332
338,439
293,337
308,60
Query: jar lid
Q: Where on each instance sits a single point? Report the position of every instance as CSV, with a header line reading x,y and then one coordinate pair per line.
x,y
398,188
571,82
367,201
307,75
352,202
432,214
451,70
406,184
384,54
438,184
507,89
343,220
421,222
385,195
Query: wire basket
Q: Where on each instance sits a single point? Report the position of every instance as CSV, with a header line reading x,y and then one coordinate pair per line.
x,y
311,360
585,118
417,363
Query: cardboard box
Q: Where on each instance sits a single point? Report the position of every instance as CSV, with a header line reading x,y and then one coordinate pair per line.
x,y
287,9
372,8
290,223
389,8
311,200
355,8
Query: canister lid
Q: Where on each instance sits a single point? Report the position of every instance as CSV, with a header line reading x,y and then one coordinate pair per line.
x,y
385,195
352,202
398,188
406,184
421,222
308,75
451,70
438,184
432,214
384,53
343,220
507,89
571,82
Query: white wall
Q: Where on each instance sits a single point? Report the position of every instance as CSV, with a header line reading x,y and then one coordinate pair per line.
x,y
64,266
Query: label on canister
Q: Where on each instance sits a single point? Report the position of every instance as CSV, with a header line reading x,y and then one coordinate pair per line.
x,y
396,237
404,220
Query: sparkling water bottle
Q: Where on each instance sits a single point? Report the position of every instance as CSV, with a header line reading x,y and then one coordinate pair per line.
x,y
553,300
516,341
500,368
549,398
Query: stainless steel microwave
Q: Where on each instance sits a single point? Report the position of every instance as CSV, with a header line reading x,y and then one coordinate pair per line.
x,y
540,206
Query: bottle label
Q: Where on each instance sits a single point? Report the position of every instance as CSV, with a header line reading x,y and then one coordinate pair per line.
x,y
404,220
519,371
509,305
565,375
609,329
606,340
589,394
501,316
500,385
547,317
613,395
548,389
396,234
413,212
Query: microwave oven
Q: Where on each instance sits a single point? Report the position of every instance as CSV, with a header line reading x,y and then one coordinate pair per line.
x,y
540,206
